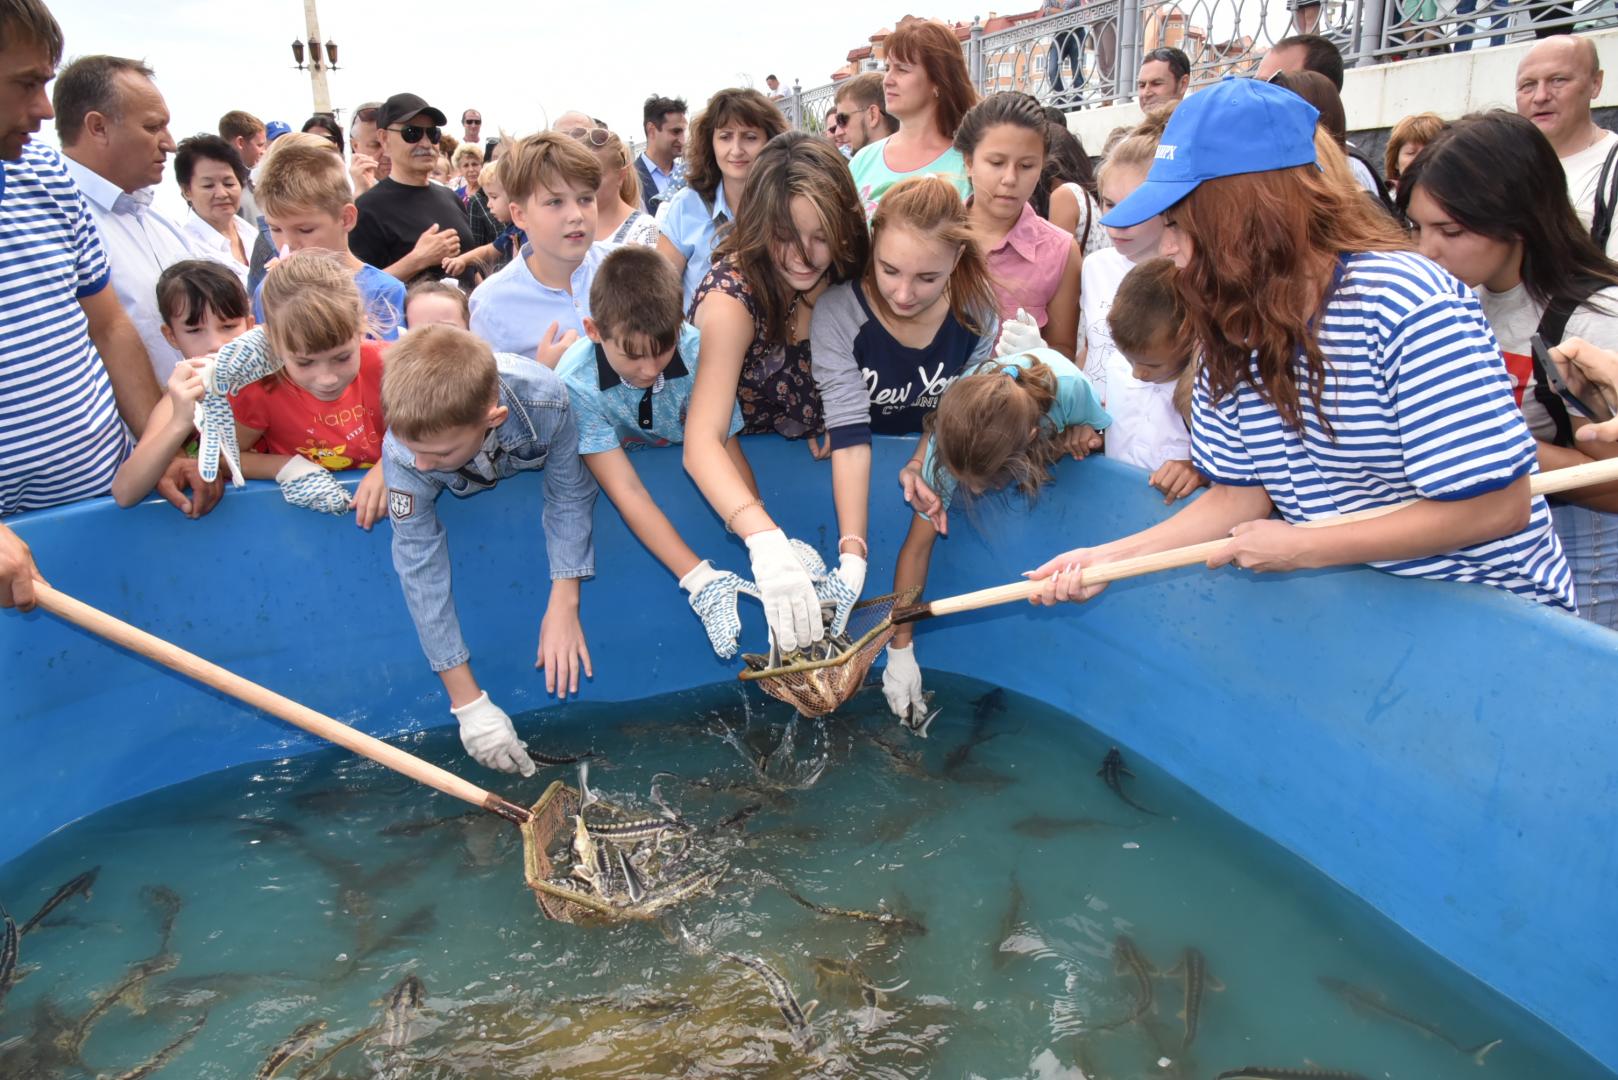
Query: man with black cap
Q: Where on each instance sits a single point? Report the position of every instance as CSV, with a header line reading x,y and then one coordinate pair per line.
x,y
408,226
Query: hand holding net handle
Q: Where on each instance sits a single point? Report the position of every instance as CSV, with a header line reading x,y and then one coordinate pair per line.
x,y
1546,483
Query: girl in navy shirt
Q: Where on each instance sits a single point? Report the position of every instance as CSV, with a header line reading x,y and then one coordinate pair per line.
x,y
885,346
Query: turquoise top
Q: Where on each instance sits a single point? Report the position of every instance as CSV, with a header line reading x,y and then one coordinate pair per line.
x,y
1076,403
873,178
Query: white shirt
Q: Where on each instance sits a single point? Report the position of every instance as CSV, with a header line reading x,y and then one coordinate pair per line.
x,y
140,243
1099,279
1583,174
204,235
1147,429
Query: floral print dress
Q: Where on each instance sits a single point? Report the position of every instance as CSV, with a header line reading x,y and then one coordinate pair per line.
x,y
776,391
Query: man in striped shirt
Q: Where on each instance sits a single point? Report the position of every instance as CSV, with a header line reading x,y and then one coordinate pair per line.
x,y
71,363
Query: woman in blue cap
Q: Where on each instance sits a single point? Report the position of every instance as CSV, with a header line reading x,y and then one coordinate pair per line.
x,y
1339,372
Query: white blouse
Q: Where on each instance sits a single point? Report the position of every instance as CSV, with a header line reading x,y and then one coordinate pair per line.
x,y
217,245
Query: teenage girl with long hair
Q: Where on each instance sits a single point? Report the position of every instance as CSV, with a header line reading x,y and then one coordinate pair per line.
x,y
1488,205
798,232
1339,372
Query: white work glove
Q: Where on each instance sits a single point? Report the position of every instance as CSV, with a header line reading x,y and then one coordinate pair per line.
x,y
1018,336
305,484
787,590
843,587
713,598
901,683
489,738
245,360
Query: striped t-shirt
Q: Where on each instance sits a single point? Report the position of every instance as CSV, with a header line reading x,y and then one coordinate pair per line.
x,y
1419,405
60,434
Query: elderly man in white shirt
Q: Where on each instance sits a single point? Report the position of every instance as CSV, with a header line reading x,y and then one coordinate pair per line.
x,y
114,127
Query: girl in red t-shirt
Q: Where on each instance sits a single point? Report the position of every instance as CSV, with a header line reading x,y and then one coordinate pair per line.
x,y
323,408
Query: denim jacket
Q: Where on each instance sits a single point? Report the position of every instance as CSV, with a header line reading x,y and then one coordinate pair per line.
x,y
539,433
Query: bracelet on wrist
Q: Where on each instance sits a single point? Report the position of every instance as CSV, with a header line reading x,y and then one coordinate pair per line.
x,y
865,551
730,519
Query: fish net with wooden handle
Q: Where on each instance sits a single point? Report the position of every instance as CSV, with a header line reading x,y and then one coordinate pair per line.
x,y
817,685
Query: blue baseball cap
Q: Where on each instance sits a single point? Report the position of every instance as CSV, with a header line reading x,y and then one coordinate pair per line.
x,y
275,129
1234,127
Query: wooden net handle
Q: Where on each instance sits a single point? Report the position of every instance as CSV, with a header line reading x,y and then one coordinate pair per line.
x,y
171,656
1546,483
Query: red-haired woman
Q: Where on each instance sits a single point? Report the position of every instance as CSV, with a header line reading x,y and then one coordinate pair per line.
x,y
928,90
1339,372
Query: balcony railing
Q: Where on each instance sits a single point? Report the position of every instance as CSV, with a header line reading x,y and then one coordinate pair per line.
x,y
1088,56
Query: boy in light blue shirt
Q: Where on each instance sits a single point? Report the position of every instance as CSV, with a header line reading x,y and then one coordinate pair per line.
x,y
629,384
536,305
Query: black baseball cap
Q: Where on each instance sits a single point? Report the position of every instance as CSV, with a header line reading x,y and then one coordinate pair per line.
x,y
401,107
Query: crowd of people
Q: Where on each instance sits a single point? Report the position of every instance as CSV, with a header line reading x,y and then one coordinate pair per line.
x,y
1235,298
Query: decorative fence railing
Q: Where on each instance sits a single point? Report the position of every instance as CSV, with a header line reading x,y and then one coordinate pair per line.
x,y
1089,55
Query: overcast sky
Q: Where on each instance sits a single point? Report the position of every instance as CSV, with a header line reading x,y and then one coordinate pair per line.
x,y
517,61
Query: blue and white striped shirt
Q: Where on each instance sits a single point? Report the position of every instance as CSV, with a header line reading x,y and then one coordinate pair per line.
x,y
1420,406
60,434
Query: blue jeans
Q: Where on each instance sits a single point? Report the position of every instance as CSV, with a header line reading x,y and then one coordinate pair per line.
x,y
1590,543
1066,45
1466,7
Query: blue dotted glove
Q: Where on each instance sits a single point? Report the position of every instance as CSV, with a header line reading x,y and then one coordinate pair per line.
x,y
713,597
839,589
305,484
244,360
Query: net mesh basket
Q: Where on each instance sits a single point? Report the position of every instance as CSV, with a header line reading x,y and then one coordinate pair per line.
x,y
817,686
547,840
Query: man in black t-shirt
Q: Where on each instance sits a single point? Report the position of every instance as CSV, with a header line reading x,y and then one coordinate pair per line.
x,y
407,225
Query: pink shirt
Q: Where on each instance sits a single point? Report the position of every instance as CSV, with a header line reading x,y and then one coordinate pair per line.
x,y
1027,266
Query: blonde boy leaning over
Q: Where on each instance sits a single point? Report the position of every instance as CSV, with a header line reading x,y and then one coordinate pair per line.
x,y
629,380
303,192
462,419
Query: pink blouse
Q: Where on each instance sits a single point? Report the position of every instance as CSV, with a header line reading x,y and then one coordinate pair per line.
x,y
1027,266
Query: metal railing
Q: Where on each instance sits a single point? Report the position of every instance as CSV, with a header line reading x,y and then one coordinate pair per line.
x,y
1088,56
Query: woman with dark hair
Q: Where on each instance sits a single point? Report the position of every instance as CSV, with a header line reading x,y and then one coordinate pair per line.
x,y
928,90
724,139
1066,195
1339,372
798,232
1489,204
325,125
211,177
1321,92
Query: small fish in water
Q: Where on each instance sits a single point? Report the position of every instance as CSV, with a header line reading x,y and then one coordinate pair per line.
x,y
541,758
1281,1072
80,885
738,820
290,1047
129,990
417,828
634,886
1127,956
1112,772
404,1005
167,903
586,855
919,716
793,1013
692,885
884,917
8,953
1367,1001
1194,968
1041,827
1009,923
163,1057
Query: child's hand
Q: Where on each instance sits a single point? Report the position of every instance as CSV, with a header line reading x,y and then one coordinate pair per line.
x,y
551,348
820,449
923,498
186,388
1081,441
1176,480
457,266
371,498
562,652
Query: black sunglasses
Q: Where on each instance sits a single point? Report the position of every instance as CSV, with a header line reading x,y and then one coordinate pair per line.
x,y
412,133
471,123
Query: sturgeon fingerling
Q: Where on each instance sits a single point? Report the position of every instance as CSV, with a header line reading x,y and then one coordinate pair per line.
x,y
780,992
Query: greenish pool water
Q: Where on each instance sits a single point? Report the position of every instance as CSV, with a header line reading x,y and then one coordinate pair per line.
x,y
311,887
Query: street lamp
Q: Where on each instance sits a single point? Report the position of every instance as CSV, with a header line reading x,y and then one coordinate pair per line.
x,y
315,57
331,54
297,53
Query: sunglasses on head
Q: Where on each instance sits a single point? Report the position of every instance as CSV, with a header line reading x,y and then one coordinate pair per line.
x,y
596,136
412,133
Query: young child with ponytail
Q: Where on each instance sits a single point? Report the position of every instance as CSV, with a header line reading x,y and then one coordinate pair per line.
x,y
1003,426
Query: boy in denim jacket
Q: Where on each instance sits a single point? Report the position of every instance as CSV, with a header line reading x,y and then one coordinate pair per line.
x,y
463,419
